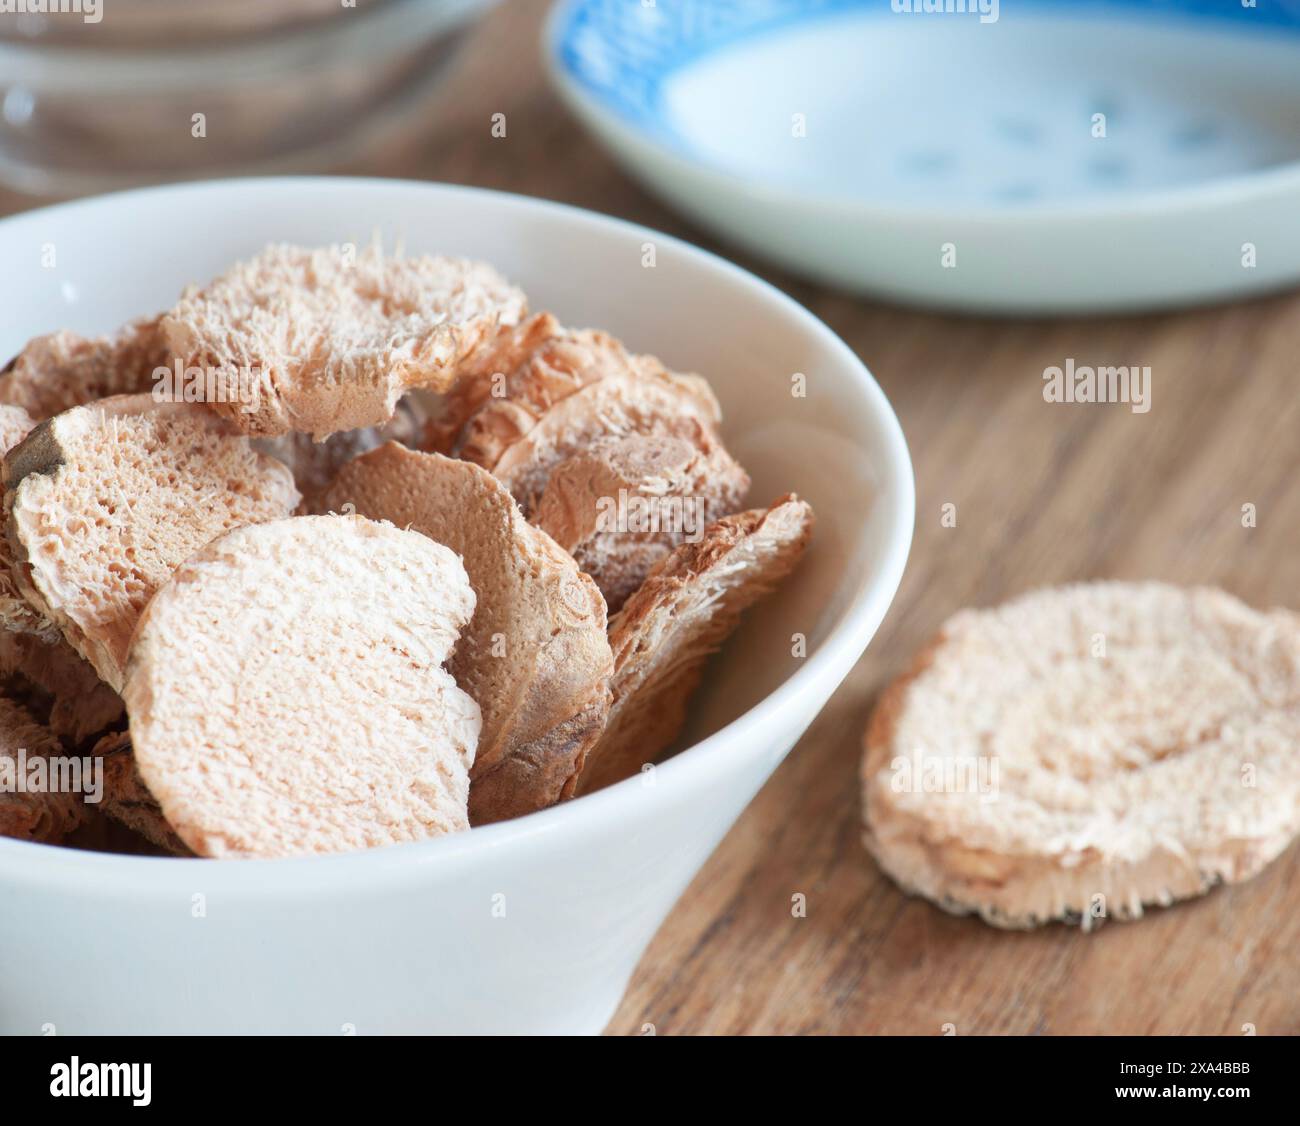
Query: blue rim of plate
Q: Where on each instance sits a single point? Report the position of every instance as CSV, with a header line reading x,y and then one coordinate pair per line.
x,y
621,52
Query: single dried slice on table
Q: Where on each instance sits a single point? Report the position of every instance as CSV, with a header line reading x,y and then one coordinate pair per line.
x,y
54,373
326,340
103,501
687,606
622,505
1083,751
535,655
287,694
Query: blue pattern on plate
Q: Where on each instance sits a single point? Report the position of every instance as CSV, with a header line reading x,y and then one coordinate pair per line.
x,y
622,50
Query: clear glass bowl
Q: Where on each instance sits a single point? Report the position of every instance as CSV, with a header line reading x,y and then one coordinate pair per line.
x,y
177,89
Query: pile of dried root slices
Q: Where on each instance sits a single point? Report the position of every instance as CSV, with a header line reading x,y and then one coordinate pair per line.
x,y
349,550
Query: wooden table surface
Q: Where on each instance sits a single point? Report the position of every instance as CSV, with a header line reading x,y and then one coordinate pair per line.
x,y
1045,493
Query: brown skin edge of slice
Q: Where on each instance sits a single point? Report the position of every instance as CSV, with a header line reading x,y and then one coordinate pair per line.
x,y
683,567
38,454
512,789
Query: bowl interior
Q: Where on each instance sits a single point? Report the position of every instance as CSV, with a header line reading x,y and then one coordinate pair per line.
x,y
799,410
1004,105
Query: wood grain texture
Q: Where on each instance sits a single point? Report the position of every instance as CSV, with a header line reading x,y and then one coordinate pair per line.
x,y
1045,494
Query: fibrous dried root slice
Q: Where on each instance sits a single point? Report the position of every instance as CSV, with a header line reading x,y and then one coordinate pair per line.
x,y
75,704
687,606
325,340
314,464
15,425
488,376
66,694
128,801
667,405
1083,751
54,373
535,655
16,614
622,505
103,501
287,694
32,806
530,369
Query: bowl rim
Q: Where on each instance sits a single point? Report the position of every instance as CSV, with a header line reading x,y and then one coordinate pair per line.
x,y
29,863
1238,190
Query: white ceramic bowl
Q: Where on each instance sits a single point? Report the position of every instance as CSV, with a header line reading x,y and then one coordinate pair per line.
x,y
532,925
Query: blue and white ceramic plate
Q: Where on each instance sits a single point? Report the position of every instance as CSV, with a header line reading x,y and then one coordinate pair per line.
x,y
1028,155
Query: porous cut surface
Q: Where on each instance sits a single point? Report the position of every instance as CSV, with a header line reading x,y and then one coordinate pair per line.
x,y
335,338
103,501
1083,751
535,655
54,373
76,705
287,696
15,425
